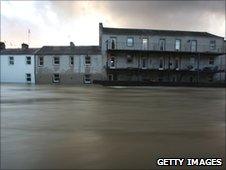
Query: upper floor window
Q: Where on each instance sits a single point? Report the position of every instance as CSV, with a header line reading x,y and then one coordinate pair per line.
x,y
28,60
41,61
130,41
87,60
28,77
193,46
71,60
145,43
11,60
212,45
211,60
162,43
56,60
112,43
177,44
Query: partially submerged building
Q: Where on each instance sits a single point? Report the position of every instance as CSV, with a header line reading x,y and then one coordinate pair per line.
x,y
17,64
68,64
160,55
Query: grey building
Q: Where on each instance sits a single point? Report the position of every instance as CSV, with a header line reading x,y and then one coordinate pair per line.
x,y
68,64
160,55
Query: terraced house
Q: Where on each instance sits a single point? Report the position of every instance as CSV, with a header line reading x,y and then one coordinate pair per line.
x,y
161,55
68,64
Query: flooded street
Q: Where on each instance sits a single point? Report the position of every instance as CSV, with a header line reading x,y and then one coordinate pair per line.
x,y
94,127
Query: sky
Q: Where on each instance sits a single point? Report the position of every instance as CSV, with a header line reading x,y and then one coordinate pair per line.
x,y
60,22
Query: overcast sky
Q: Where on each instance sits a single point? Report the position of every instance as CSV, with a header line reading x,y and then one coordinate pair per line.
x,y
59,22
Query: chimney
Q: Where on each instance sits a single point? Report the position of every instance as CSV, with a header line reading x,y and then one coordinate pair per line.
x,y
24,46
72,44
2,46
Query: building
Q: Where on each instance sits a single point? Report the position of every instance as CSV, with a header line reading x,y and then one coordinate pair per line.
x,y
160,55
68,64
17,64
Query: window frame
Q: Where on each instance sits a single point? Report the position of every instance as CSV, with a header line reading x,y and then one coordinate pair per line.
x,y
127,44
85,79
11,60
178,40
162,67
214,45
211,61
28,60
164,44
71,60
144,61
54,78
27,77
54,60
39,61
143,44
89,63
196,45
110,63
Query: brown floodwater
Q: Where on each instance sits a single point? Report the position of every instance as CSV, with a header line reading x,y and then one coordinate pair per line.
x,y
95,127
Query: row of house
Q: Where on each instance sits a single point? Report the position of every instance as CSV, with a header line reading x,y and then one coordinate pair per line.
x,y
122,55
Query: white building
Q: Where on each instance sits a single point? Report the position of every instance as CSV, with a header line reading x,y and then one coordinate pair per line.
x,y
18,65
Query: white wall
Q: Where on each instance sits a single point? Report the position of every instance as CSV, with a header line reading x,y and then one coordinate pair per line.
x,y
16,73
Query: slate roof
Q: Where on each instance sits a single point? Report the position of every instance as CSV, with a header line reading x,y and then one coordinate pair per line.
x,y
19,51
131,31
68,50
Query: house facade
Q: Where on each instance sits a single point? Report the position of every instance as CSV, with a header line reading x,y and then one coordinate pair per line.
x,y
18,65
160,55
68,64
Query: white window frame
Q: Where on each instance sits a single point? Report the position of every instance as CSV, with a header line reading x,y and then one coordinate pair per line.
x,y
27,76
54,78
176,44
11,60
87,63
87,80
54,60
28,60
39,61
130,44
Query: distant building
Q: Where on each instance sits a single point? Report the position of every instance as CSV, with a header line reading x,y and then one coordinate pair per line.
x,y
161,55
17,64
68,64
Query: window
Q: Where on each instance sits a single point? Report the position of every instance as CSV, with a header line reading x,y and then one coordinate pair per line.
x,y
162,43
144,62
110,77
56,60
28,78
87,60
112,62
193,46
160,64
212,45
28,60
177,64
87,79
144,43
71,60
56,78
177,45
41,61
11,60
211,60
113,43
129,41
129,58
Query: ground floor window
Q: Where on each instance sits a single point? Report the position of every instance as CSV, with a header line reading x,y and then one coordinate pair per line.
x,y
28,77
161,64
144,63
87,79
110,77
56,78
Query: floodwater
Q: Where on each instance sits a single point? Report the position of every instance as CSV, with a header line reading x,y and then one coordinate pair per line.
x,y
94,127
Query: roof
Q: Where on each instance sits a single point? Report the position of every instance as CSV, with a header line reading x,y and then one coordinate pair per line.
x,y
68,50
18,51
131,31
